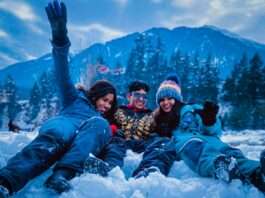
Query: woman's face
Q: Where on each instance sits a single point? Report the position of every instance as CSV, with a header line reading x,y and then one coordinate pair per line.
x,y
104,103
167,104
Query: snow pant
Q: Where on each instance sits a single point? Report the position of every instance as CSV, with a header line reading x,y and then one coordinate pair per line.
x,y
60,139
139,146
160,153
115,151
200,155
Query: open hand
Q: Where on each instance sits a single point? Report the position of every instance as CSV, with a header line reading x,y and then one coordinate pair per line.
x,y
57,16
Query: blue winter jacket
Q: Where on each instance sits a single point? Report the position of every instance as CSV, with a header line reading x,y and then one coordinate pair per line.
x,y
191,128
75,105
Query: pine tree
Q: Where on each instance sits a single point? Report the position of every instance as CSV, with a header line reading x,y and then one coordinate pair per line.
x,y
157,69
240,73
186,78
255,92
46,83
209,81
195,79
263,84
160,65
235,93
34,101
10,91
2,105
254,88
136,62
248,110
177,62
233,87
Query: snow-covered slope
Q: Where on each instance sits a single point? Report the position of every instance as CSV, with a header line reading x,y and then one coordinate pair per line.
x,y
182,182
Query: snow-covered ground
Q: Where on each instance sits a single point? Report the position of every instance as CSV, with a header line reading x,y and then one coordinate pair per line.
x,y
182,182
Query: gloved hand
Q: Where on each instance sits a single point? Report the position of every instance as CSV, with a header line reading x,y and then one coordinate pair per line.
x,y
208,113
57,17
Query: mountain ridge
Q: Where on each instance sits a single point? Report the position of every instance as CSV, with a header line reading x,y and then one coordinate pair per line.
x,y
227,47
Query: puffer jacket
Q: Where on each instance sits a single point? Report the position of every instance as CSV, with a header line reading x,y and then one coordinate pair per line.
x,y
191,128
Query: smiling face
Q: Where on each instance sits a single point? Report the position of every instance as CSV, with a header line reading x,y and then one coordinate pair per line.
x,y
138,99
167,104
104,103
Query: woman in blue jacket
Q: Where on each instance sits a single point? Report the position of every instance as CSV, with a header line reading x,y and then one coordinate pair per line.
x,y
70,137
195,132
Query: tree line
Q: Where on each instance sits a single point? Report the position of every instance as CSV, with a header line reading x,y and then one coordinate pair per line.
x,y
29,113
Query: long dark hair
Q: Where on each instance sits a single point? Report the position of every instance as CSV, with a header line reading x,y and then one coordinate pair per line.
x,y
99,90
166,122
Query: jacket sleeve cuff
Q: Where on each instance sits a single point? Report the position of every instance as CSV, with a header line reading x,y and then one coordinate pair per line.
x,y
215,129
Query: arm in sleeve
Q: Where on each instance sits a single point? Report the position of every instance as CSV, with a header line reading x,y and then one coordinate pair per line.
x,y
67,91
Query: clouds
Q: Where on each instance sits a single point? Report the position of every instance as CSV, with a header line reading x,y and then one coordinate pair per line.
x,y
5,60
121,3
235,15
102,20
85,35
182,4
3,34
23,12
20,9
107,32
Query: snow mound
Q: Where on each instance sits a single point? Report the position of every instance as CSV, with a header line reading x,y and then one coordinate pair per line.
x,y
182,182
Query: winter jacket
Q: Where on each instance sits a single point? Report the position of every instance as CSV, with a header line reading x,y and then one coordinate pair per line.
x,y
75,105
133,124
191,128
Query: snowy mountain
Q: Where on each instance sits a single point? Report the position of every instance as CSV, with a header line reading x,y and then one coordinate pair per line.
x,y
226,47
182,182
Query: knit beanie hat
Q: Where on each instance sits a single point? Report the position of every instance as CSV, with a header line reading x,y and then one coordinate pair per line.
x,y
169,88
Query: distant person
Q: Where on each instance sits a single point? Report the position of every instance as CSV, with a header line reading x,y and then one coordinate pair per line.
x,y
12,126
69,138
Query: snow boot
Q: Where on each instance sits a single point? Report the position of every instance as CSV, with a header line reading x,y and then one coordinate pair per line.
x,y
4,192
94,165
59,180
226,168
145,172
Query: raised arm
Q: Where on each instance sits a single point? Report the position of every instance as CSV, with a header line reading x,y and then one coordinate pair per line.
x,y
57,16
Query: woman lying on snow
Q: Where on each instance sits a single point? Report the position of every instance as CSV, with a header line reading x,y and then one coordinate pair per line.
x,y
70,137
196,141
